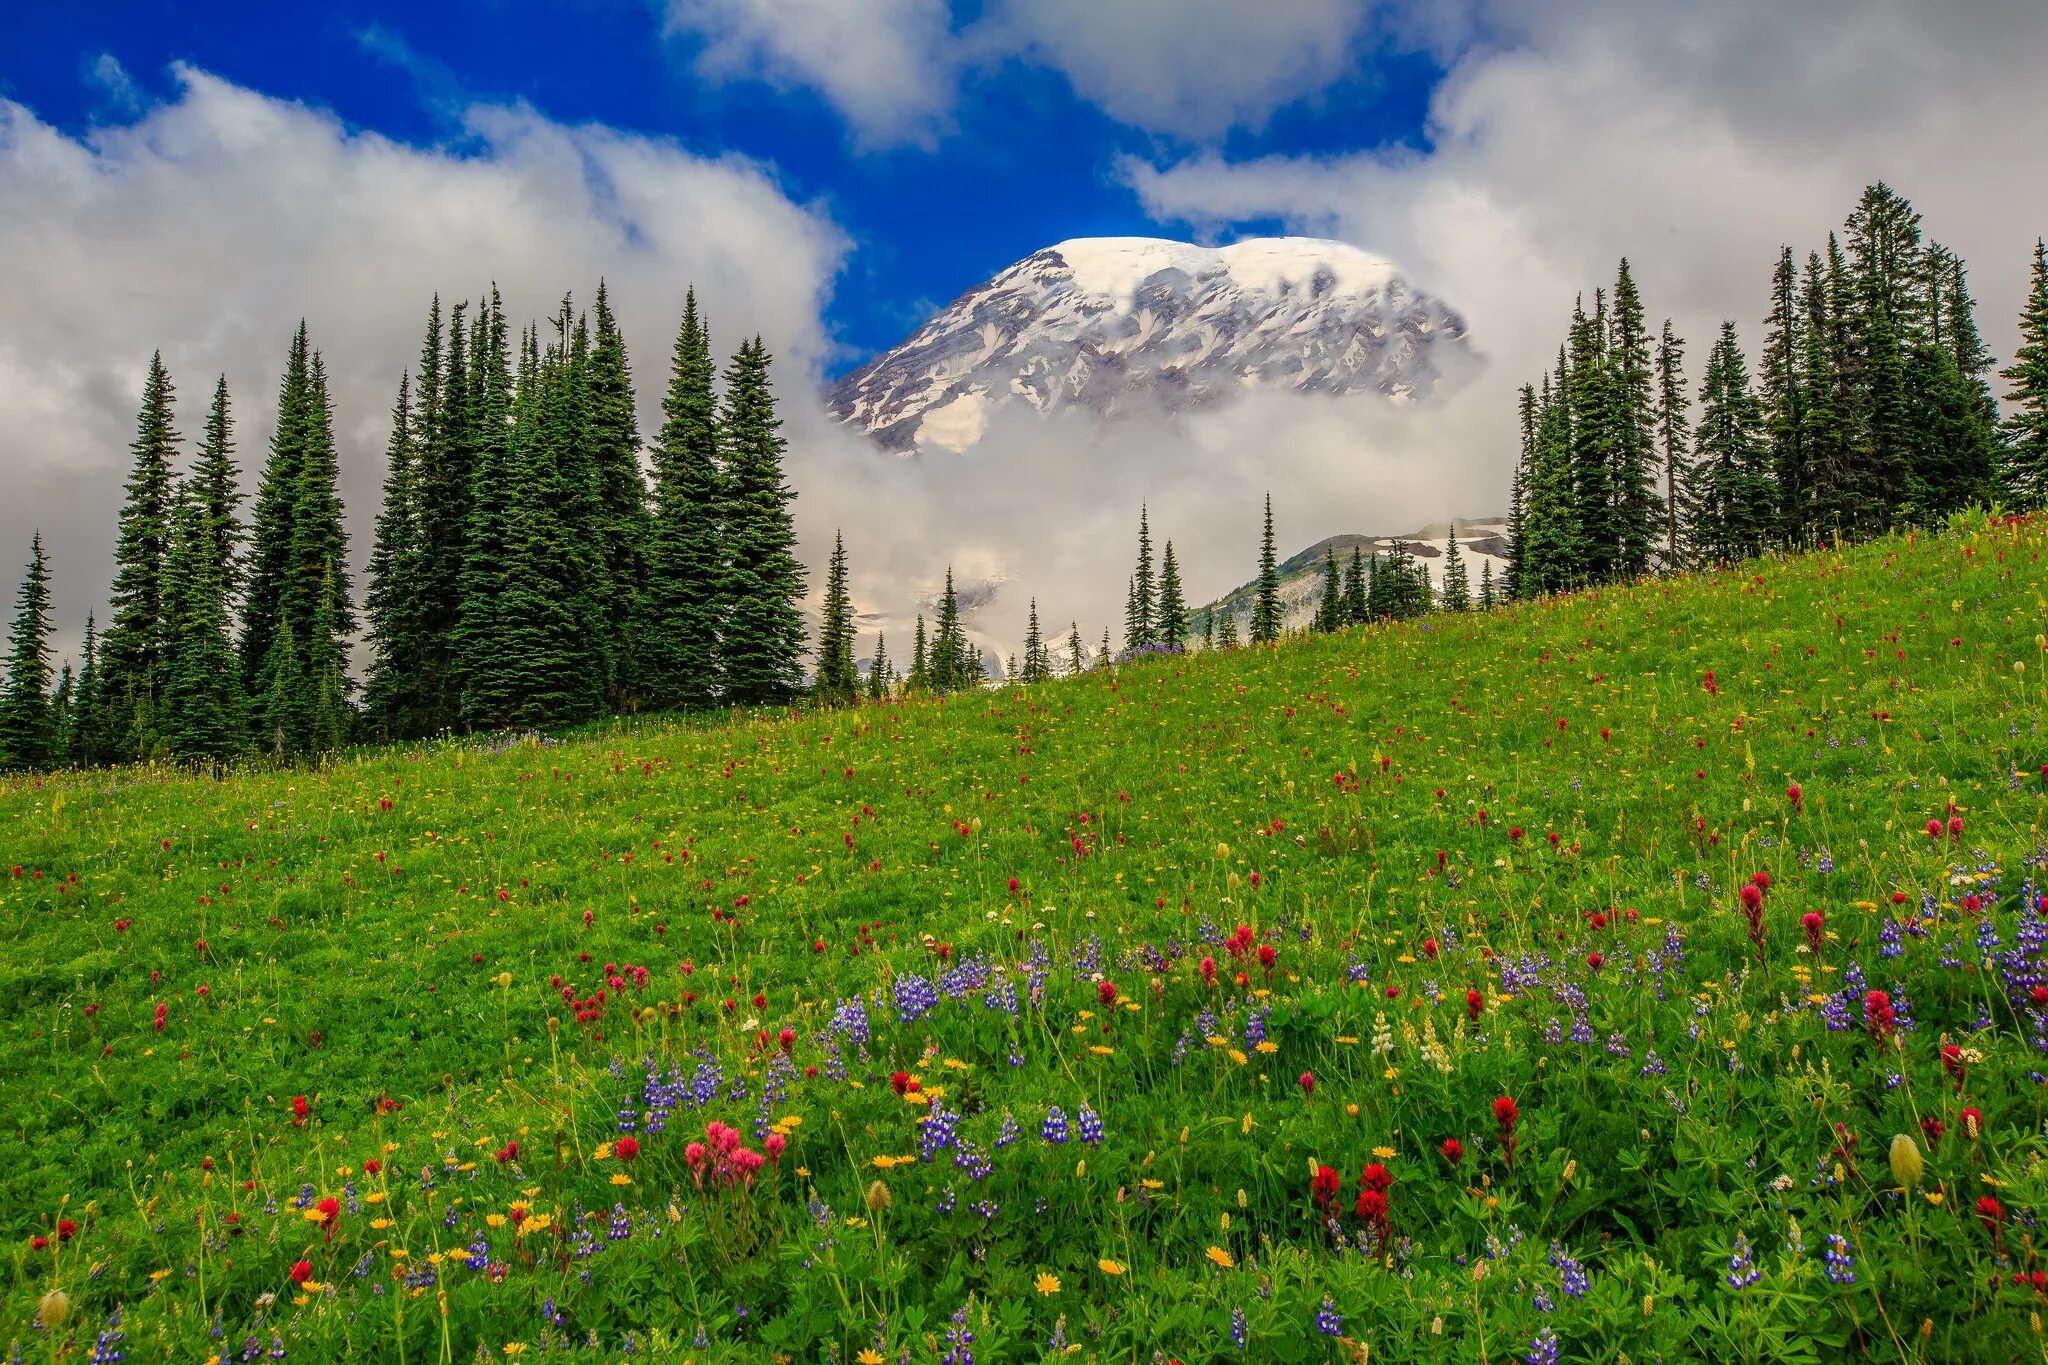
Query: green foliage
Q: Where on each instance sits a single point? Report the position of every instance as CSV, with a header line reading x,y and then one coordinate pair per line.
x,y
28,724
762,642
838,679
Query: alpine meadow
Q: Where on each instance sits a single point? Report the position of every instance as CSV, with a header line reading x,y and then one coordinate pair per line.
x,y
634,725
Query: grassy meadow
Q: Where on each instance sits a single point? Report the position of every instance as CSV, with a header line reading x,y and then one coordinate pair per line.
x,y
1657,973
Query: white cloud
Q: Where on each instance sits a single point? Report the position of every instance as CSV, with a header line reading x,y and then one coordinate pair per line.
x,y
1695,140
888,65
1190,68
210,225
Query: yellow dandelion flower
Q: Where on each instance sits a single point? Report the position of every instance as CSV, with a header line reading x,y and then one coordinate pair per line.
x,y
1101,1051
1047,1284
1221,1257
1109,1267
885,1163
1385,1153
601,1151
869,1356
1268,1047
622,1179
1238,1057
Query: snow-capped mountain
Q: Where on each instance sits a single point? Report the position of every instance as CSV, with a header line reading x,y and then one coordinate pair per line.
x,y
1481,542
1123,324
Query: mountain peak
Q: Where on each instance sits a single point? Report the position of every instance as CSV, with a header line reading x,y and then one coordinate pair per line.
x,y
1115,325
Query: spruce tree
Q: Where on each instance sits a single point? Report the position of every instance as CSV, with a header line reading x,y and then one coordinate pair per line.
x,y
1733,500
392,708
946,662
1590,398
1170,616
838,678
89,743
1782,399
878,671
1330,606
1139,627
1673,429
1037,667
2026,426
1836,506
762,643
623,524
1104,659
1486,590
1457,590
1209,630
132,652
316,608
217,483
1354,590
1886,320
444,442
920,679
1227,637
490,674
1077,653
62,719
1632,482
27,735
678,615
269,569
1266,618
203,717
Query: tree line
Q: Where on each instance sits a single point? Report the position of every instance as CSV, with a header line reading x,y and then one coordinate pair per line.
x,y
1871,408
528,571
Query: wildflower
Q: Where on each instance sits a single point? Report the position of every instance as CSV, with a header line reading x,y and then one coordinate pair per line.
x,y
1109,1267
878,1198
1542,1348
1327,1321
1324,1187
1219,1257
1972,1120
1991,1213
1742,1271
1841,1267
627,1148
1453,1150
301,1271
1047,1284
1907,1166
1308,1083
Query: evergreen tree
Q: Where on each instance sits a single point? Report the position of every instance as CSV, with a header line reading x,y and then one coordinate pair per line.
x,y
1732,500
132,652
1170,616
1354,590
1550,531
1227,637
1487,600
878,671
27,735
1330,607
2026,428
946,664
838,678
763,639
1103,659
1077,653
1836,506
1634,517
678,615
270,547
89,742
920,660
1673,429
1266,618
490,672
62,719
1782,399
623,526
1887,307
1518,494
392,706
1591,403
444,444
317,612
1457,591
203,717
1140,629
219,489
1208,630
1037,662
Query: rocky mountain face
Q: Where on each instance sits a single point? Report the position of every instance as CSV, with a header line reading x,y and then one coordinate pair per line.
x,y
1117,325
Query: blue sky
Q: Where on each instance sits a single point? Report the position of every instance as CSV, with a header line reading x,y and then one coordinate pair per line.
x,y
1020,162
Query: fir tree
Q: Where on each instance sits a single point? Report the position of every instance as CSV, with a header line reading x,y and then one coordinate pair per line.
x,y
1781,397
2026,427
1209,630
1104,659
1170,616
203,717
316,608
920,660
1037,664
946,664
132,652
1732,499
878,670
89,742
1518,492
63,717
1487,599
623,526
1077,653
1836,505
27,734
392,707
490,674
1673,429
1354,590
1330,607
270,548
1457,591
678,614
1227,637
763,639
1139,627
1884,324
1590,400
1266,619
219,490
1632,483
444,444
838,678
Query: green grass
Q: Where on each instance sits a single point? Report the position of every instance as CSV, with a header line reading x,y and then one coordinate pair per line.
x,y
381,935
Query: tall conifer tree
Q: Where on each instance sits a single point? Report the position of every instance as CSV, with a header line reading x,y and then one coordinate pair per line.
x,y
763,641
678,620
838,679
1733,501
2026,426
1170,617
203,717
27,733
1457,589
132,652
623,525
1266,618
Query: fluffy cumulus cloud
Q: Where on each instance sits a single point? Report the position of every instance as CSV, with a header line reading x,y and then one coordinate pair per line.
x,y
1692,139
1191,68
212,222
